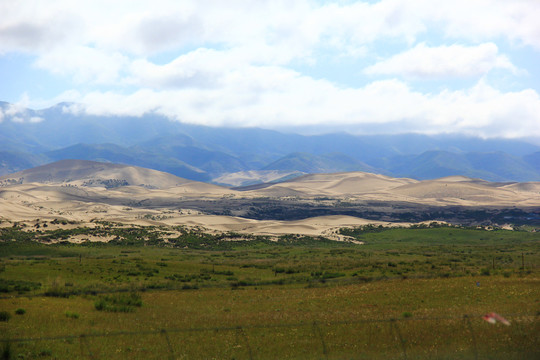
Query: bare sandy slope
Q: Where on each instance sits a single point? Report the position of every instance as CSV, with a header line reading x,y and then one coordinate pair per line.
x,y
337,184
28,203
71,190
312,226
527,187
454,190
86,181
470,192
243,178
90,173
142,206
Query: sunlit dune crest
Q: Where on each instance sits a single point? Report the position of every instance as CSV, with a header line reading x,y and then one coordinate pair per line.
x,y
84,191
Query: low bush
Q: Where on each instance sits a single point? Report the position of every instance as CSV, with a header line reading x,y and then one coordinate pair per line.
x,y
71,315
4,316
118,302
7,353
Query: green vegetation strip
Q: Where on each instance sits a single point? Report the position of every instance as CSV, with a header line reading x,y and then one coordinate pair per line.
x,y
30,268
299,297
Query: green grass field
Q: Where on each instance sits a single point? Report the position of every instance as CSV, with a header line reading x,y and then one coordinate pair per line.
x,y
405,293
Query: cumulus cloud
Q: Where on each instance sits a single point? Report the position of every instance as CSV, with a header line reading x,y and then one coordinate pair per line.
x,y
85,64
443,62
140,28
199,68
240,63
35,119
279,98
486,19
36,27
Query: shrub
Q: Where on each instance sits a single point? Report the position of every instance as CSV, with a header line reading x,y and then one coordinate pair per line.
x,y
57,290
20,286
20,311
45,352
7,353
118,302
71,315
189,287
4,316
406,314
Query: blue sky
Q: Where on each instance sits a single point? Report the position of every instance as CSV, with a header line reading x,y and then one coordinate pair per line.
x,y
389,66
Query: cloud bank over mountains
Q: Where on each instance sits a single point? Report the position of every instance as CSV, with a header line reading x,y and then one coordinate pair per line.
x,y
385,66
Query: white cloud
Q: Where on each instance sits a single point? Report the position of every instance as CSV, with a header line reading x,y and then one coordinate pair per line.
x,y
16,108
145,28
84,64
18,112
479,20
199,68
483,110
276,97
443,62
35,119
81,40
232,61
37,26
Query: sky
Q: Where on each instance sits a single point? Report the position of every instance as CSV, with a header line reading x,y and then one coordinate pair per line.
x,y
388,66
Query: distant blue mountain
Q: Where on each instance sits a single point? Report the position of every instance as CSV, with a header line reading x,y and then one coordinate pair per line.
x,y
35,137
129,156
491,166
533,160
310,163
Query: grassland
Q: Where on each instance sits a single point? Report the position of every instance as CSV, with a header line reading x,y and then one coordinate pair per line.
x,y
404,293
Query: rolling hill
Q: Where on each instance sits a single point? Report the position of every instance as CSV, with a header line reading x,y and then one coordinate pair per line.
x,y
83,191
92,174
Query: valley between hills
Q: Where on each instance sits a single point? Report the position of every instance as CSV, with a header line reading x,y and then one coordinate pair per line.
x,y
83,192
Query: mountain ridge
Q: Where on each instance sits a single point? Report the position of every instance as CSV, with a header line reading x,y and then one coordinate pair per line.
x,y
36,137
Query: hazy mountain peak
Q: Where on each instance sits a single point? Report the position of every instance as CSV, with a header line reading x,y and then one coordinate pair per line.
x,y
204,153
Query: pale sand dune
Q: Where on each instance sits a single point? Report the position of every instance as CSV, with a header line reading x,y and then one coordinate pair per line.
x,y
284,191
312,226
84,212
533,187
130,190
194,187
19,195
62,171
439,189
61,195
79,172
337,184
254,176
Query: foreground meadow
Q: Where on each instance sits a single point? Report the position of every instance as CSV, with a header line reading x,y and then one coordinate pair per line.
x,y
405,293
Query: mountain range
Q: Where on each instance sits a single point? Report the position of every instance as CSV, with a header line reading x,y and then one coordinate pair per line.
x,y
30,138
